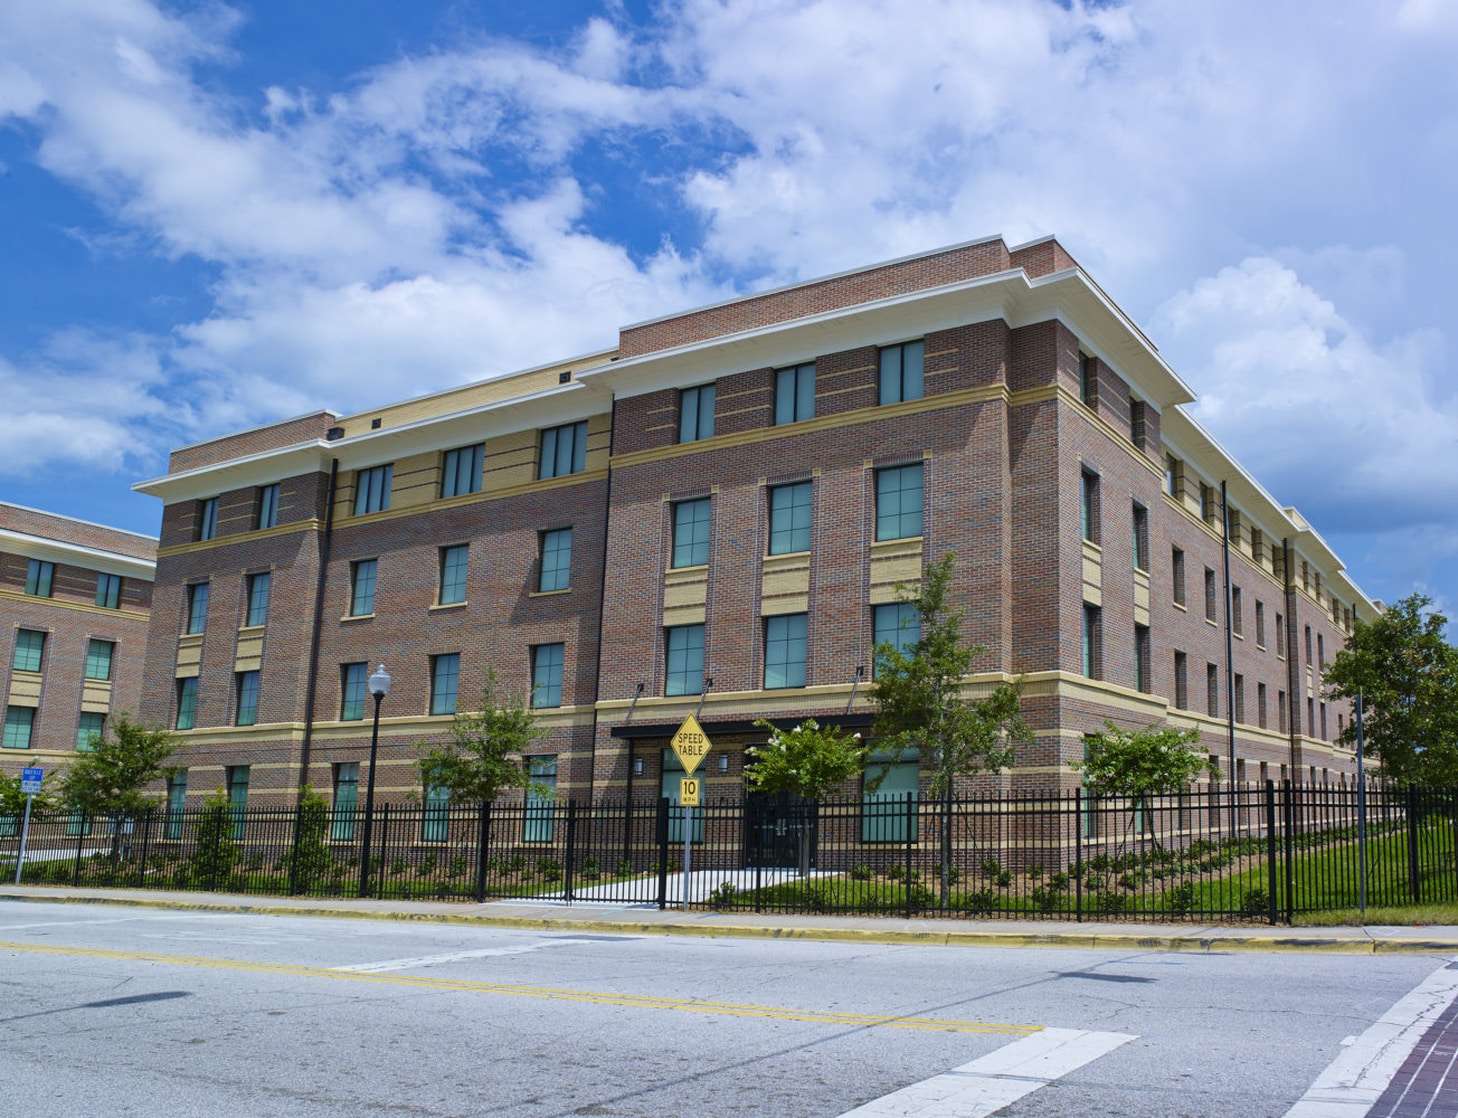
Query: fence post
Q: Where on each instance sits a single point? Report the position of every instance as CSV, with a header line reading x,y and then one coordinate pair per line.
x,y
756,837
380,869
1290,827
571,849
662,837
1271,847
1413,877
483,832
294,850
146,844
80,846
912,823
1078,854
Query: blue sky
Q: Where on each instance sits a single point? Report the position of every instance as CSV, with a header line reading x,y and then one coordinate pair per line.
x,y
214,215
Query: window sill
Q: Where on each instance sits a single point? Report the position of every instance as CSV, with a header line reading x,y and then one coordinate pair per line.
x,y
1181,607
356,617
688,567
549,593
447,605
249,630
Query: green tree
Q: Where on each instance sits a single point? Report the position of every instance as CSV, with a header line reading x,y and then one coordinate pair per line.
x,y
1407,673
117,776
807,761
1154,761
214,853
921,703
12,799
311,857
483,756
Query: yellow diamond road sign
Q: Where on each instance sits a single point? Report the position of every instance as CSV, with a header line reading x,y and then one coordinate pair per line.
x,y
690,743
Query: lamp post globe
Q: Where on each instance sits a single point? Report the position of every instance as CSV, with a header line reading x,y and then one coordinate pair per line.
x,y
379,687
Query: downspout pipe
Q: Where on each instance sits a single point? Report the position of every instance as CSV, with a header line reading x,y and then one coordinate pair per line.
x,y
1229,648
311,687
1293,704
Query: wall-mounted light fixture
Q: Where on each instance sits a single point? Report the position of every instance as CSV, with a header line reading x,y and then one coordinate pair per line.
x,y
637,766
723,762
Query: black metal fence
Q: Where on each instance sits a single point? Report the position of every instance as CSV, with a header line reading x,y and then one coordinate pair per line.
x,y
1260,852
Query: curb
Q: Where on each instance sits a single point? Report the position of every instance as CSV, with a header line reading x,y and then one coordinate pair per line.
x,y
1205,944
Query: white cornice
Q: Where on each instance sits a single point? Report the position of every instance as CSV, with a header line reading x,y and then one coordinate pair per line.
x,y
77,555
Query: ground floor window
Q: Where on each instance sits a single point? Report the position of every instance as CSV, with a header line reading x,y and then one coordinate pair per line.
x,y
888,800
672,774
346,801
537,826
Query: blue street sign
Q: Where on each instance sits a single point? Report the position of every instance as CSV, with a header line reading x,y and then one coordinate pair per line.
x,y
30,781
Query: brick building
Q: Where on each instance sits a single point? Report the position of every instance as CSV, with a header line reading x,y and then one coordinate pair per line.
x,y
732,495
74,601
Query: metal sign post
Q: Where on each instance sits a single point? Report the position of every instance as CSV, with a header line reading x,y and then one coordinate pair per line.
x,y
688,799
1361,816
691,745
30,784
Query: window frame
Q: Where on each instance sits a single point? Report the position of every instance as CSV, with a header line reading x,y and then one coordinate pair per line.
x,y
893,386
884,520
10,732
207,519
356,567
343,810
787,634
683,636
689,548
372,489
548,670
559,571
108,590
452,571
794,511
348,683
550,450
40,578
906,613
1092,659
30,641
445,667
692,404
186,703
462,464
260,590
198,596
99,656
1139,515
246,694
1177,576
1088,501
267,516
794,401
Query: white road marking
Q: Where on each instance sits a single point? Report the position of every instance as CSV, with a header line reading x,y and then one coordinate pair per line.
x,y
1356,1078
454,956
991,1082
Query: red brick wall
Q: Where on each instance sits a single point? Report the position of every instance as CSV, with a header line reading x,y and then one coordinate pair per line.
x,y
272,437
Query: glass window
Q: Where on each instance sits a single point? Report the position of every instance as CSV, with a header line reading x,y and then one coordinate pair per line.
x,y
1141,537
453,574
346,801
1089,505
176,799
1212,690
547,675
461,470
1260,618
38,577
29,648
108,591
901,373
1237,697
238,797
197,607
89,729
696,414
884,812
691,533
898,625
247,698
1087,384
669,786
98,659
1091,634
372,489
1141,658
259,586
1209,594
556,565
1177,575
790,508
685,655
362,588
541,794
187,703
563,451
784,651
435,819
354,686
445,678
268,506
1181,681
207,519
1237,612
794,394
18,724
898,502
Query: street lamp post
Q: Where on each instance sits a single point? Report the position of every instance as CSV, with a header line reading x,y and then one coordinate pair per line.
x,y
379,688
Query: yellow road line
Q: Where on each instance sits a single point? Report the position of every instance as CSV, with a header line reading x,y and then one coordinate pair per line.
x,y
634,1001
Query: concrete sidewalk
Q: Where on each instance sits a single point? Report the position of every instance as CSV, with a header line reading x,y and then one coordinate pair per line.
x,y
649,920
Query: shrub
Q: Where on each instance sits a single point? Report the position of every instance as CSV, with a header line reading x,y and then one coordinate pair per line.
x,y
1256,902
456,867
723,896
895,872
991,867
1004,879
983,900
860,872
1182,898
549,869
625,867
1110,902
591,869
427,865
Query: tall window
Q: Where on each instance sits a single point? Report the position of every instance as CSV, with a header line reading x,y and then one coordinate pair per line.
x,y
1209,594
187,703
902,373
1237,697
1261,705
346,800
1092,634
888,814
354,686
89,731
1260,623
1237,612
445,681
259,587
19,721
1280,636
1308,646
898,502
453,574
1181,681
691,533
547,675
38,577
784,651
98,659
556,564
247,698
1321,651
1141,658
794,394
372,489
362,587
684,670
790,507
1087,384
1281,711
1207,503
197,607
461,470
435,819
1212,690
267,506
1089,505
1141,536
897,624
541,794
1177,575
108,591
696,414
207,518
1174,476
237,796
176,800
30,646
563,450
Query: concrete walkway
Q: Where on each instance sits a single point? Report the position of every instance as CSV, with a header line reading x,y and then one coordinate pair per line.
x,y
649,920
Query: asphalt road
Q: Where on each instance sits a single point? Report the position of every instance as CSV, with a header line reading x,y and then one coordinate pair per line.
x,y
119,1011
